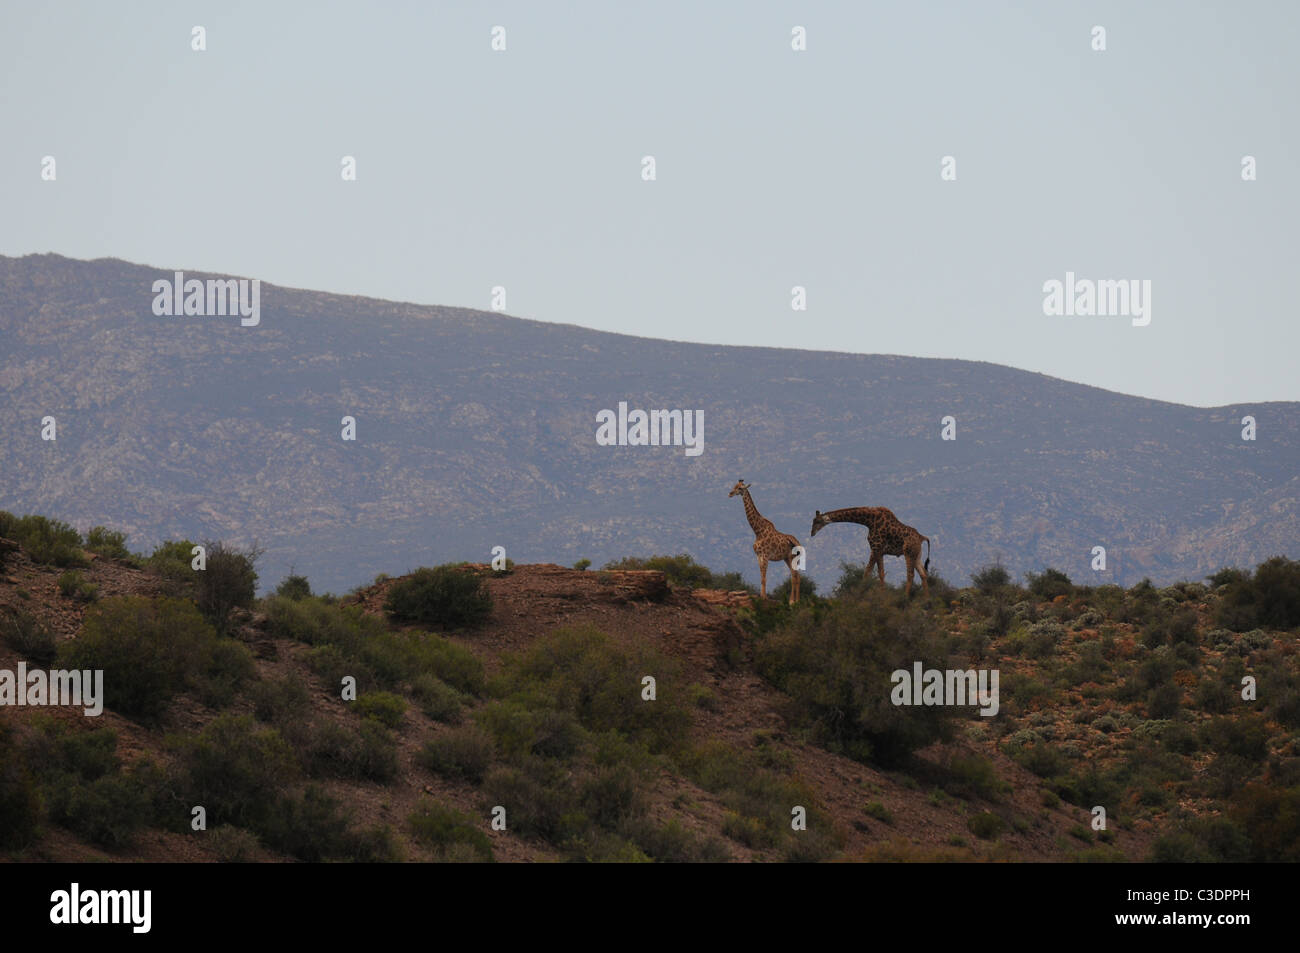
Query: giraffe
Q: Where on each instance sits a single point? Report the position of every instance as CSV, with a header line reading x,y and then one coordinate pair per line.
x,y
887,536
768,543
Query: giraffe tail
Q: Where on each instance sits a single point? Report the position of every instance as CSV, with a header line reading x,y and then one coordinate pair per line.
x,y
927,554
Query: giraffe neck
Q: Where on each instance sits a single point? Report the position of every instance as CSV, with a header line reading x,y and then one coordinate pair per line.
x,y
757,522
865,515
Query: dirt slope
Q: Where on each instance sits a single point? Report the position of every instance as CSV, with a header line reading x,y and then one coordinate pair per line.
x,y
700,629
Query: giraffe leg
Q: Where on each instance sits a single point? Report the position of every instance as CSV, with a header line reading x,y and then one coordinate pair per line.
x,y
762,575
880,564
794,581
911,568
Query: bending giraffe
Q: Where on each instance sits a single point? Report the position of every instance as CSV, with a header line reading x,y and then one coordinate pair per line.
x,y
887,536
769,544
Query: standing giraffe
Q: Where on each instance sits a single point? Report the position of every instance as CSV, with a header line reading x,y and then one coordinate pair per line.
x,y
887,536
768,543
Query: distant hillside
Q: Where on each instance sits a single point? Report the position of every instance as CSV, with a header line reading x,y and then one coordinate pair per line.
x,y
476,430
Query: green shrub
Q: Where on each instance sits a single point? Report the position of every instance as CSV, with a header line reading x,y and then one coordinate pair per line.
x,y
436,698
108,543
83,785
973,775
985,825
351,642
1043,638
837,667
83,754
330,750
294,588
174,562
333,665
235,769
759,798
441,827
1270,819
72,585
671,842
582,564
228,582
1089,666
233,845
879,812
48,541
684,572
522,730
990,579
464,753
1164,701
581,671
443,596
1179,848
701,696
1049,584
229,668
20,801
452,663
385,707
108,811
315,827
28,636
279,699
807,589
152,650
317,622
755,833
1269,598
536,805
1042,759
1245,736
853,582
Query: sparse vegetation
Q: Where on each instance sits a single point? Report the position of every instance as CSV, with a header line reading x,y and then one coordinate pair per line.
x,y
464,752
444,596
228,582
28,636
152,650
452,835
108,543
294,588
1127,698
74,586
837,665
47,541
683,571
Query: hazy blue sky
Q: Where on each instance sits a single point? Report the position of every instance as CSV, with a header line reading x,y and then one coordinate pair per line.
x,y
775,168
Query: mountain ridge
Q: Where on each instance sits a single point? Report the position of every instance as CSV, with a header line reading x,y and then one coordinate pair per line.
x,y
477,429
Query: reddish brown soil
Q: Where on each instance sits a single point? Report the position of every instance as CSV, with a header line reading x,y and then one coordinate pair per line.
x,y
699,629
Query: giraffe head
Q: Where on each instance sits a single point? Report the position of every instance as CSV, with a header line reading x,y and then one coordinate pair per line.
x,y
740,487
819,520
